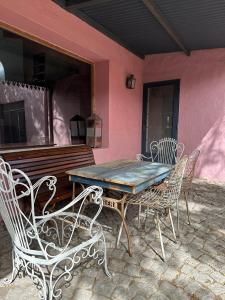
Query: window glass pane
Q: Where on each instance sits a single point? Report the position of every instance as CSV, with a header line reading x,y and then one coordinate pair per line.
x,y
40,92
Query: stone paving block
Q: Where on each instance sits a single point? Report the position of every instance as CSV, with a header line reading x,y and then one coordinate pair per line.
x,y
120,293
97,297
86,282
132,270
117,265
104,288
159,296
203,278
217,288
81,294
192,262
182,280
139,289
139,297
170,274
170,290
192,287
122,280
204,293
218,277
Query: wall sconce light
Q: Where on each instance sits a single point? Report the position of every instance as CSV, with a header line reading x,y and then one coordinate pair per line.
x,y
130,82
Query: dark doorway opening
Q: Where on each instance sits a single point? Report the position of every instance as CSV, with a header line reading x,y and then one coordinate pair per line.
x,y
160,112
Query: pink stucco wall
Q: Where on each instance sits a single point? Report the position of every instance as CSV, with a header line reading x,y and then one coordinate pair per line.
x,y
202,103
121,110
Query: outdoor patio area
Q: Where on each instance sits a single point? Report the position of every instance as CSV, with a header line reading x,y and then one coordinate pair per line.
x,y
194,267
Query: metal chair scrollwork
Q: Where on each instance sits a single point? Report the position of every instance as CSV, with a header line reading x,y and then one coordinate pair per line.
x,y
47,247
166,151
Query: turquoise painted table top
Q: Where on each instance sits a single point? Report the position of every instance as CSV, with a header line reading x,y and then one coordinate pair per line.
x,y
129,176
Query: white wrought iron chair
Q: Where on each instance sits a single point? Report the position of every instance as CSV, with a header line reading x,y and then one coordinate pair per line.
x,y
47,247
187,180
158,202
166,151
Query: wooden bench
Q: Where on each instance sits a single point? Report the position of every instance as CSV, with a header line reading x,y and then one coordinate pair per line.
x,y
40,162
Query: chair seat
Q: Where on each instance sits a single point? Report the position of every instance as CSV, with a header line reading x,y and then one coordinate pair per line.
x,y
145,198
57,252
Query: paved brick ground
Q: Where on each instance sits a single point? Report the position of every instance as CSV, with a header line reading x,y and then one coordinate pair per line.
x,y
195,266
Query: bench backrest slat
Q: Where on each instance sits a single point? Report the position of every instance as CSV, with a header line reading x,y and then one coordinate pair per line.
x,y
37,163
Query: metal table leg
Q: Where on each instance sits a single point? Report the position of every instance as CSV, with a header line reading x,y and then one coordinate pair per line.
x,y
120,207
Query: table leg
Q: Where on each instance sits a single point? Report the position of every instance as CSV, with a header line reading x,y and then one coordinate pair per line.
x,y
121,227
122,212
73,193
120,206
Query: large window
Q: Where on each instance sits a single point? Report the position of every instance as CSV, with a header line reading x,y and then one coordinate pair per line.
x,y
41,91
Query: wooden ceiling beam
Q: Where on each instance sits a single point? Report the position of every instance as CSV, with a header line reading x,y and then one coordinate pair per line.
x,y
164,23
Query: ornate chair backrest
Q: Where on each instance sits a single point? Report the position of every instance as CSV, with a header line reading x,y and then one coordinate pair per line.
x,y
174,183
166,151
190,169
12,192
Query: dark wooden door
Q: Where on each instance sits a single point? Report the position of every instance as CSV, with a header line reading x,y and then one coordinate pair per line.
x,y
14,122
160,112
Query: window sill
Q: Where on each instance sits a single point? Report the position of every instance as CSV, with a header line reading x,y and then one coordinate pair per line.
x,y
22,146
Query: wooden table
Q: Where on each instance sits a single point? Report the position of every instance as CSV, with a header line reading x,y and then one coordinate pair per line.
x,y
126,176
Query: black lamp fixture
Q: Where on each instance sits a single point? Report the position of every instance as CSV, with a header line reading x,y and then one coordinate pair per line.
x,y
130,82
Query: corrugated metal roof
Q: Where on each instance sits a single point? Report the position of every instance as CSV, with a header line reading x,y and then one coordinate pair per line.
x,y
200,24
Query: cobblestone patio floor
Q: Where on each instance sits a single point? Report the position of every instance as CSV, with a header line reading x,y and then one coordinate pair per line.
x,y
195,266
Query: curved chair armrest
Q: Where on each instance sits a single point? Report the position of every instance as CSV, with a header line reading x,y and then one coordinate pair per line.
x,y
75,221
142,157
50,182
94,191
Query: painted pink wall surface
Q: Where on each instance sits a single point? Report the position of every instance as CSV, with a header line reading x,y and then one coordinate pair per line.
x,y
202,103
121,109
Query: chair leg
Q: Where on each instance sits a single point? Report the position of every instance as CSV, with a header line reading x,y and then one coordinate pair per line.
x,y
160,236
178,218
186,201
171,221
8,281
105,259
139,216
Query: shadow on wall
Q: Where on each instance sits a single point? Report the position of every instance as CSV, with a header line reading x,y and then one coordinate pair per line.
x,y
211,163
69,98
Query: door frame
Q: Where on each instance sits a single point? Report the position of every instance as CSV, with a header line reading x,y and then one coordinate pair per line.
x,y
147,85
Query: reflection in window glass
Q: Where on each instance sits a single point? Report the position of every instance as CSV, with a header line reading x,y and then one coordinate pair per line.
x,y
41,90
2,71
